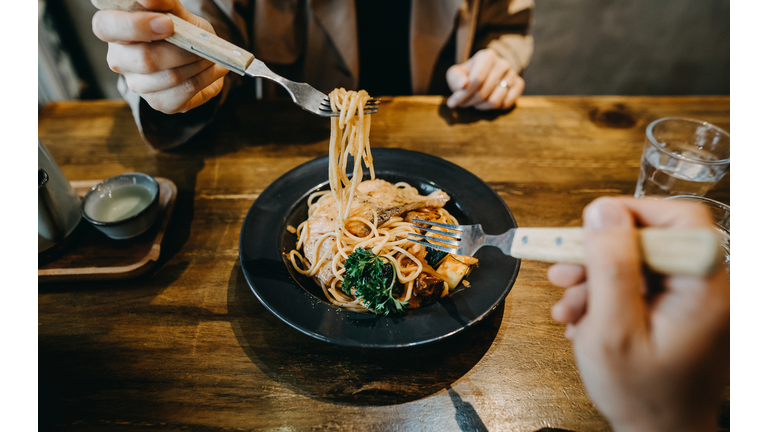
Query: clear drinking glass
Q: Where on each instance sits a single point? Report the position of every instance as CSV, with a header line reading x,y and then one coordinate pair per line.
x,y
682,157
721,215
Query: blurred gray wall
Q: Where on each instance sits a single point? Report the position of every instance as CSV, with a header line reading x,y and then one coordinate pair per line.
x,y
589,47
91,51
630,47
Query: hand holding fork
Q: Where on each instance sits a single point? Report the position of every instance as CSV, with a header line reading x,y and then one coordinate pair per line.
x,y
173,80
680,251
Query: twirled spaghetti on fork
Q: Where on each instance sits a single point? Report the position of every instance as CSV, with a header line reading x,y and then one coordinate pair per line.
x,y
362,227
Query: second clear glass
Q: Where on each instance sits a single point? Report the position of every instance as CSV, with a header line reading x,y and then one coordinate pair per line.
x,y
682,157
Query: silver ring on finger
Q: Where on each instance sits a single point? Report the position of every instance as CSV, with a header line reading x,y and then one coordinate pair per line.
x,y
503,84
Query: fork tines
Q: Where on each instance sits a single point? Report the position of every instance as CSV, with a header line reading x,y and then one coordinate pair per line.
x,y
449,244
451,250
372,107
459,228
372,101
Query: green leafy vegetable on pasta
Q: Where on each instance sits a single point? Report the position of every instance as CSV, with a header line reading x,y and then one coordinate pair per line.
x,y
372,279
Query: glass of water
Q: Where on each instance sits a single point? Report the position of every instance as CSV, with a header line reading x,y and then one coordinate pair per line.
x,y
682,157
721,215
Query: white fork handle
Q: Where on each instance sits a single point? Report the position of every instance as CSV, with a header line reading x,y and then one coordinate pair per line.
x,y
692,251
192,38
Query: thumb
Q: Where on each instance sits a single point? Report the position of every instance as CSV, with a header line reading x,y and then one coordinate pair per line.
x,y
457,76
614,268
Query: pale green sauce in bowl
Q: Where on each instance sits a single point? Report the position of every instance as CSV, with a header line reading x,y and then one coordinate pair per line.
x,y
122,203
123,206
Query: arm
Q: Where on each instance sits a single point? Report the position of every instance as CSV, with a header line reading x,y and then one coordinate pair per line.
x,y
173,94
652,351
506,31
491,78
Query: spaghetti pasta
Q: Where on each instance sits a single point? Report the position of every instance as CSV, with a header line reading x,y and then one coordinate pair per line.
x,y
349,136
373,215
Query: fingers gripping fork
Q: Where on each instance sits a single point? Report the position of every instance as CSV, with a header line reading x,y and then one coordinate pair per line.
x,y
213,48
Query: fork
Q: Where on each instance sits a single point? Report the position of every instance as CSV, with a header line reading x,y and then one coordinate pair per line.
x,y
236,59
690,251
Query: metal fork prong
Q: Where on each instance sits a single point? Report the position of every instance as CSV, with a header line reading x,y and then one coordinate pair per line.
x,y
369,102
438,240
459,228
453,235
438,247
326,113
372,108
367,108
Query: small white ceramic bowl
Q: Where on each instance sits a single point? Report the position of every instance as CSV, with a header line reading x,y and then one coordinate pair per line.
x,y
123,206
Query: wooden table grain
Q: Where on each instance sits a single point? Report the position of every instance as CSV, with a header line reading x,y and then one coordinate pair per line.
x,y
188,347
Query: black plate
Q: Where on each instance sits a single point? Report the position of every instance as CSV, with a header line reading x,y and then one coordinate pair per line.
x,y
299,302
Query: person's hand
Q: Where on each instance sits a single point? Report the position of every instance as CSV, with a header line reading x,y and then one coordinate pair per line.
x,y
652,351
485,82
170,79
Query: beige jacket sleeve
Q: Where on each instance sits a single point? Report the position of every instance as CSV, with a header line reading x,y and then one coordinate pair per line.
x,y
504,26
164,131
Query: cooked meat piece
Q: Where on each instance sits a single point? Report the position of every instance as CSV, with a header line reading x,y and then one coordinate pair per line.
x,y
428,287
427,214
414,303
383,199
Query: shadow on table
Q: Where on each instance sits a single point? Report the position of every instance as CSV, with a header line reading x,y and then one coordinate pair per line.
x,y
357,376
469,421
466,415
77,368
454,116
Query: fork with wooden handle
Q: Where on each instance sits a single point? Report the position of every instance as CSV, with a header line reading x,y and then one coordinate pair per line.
x,y
679,251
211,47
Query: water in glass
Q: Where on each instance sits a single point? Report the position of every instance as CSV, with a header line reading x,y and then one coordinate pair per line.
x,y
661,174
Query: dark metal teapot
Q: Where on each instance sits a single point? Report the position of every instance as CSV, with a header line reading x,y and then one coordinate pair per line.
x,y
58,207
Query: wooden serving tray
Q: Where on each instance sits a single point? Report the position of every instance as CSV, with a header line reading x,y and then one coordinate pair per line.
x,y
94,256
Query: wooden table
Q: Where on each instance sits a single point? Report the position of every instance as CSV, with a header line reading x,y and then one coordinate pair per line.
x,y
188,347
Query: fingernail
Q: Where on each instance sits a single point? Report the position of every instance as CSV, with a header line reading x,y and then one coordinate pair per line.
x,y
570,331
463,81
161,25
555,311
603,214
